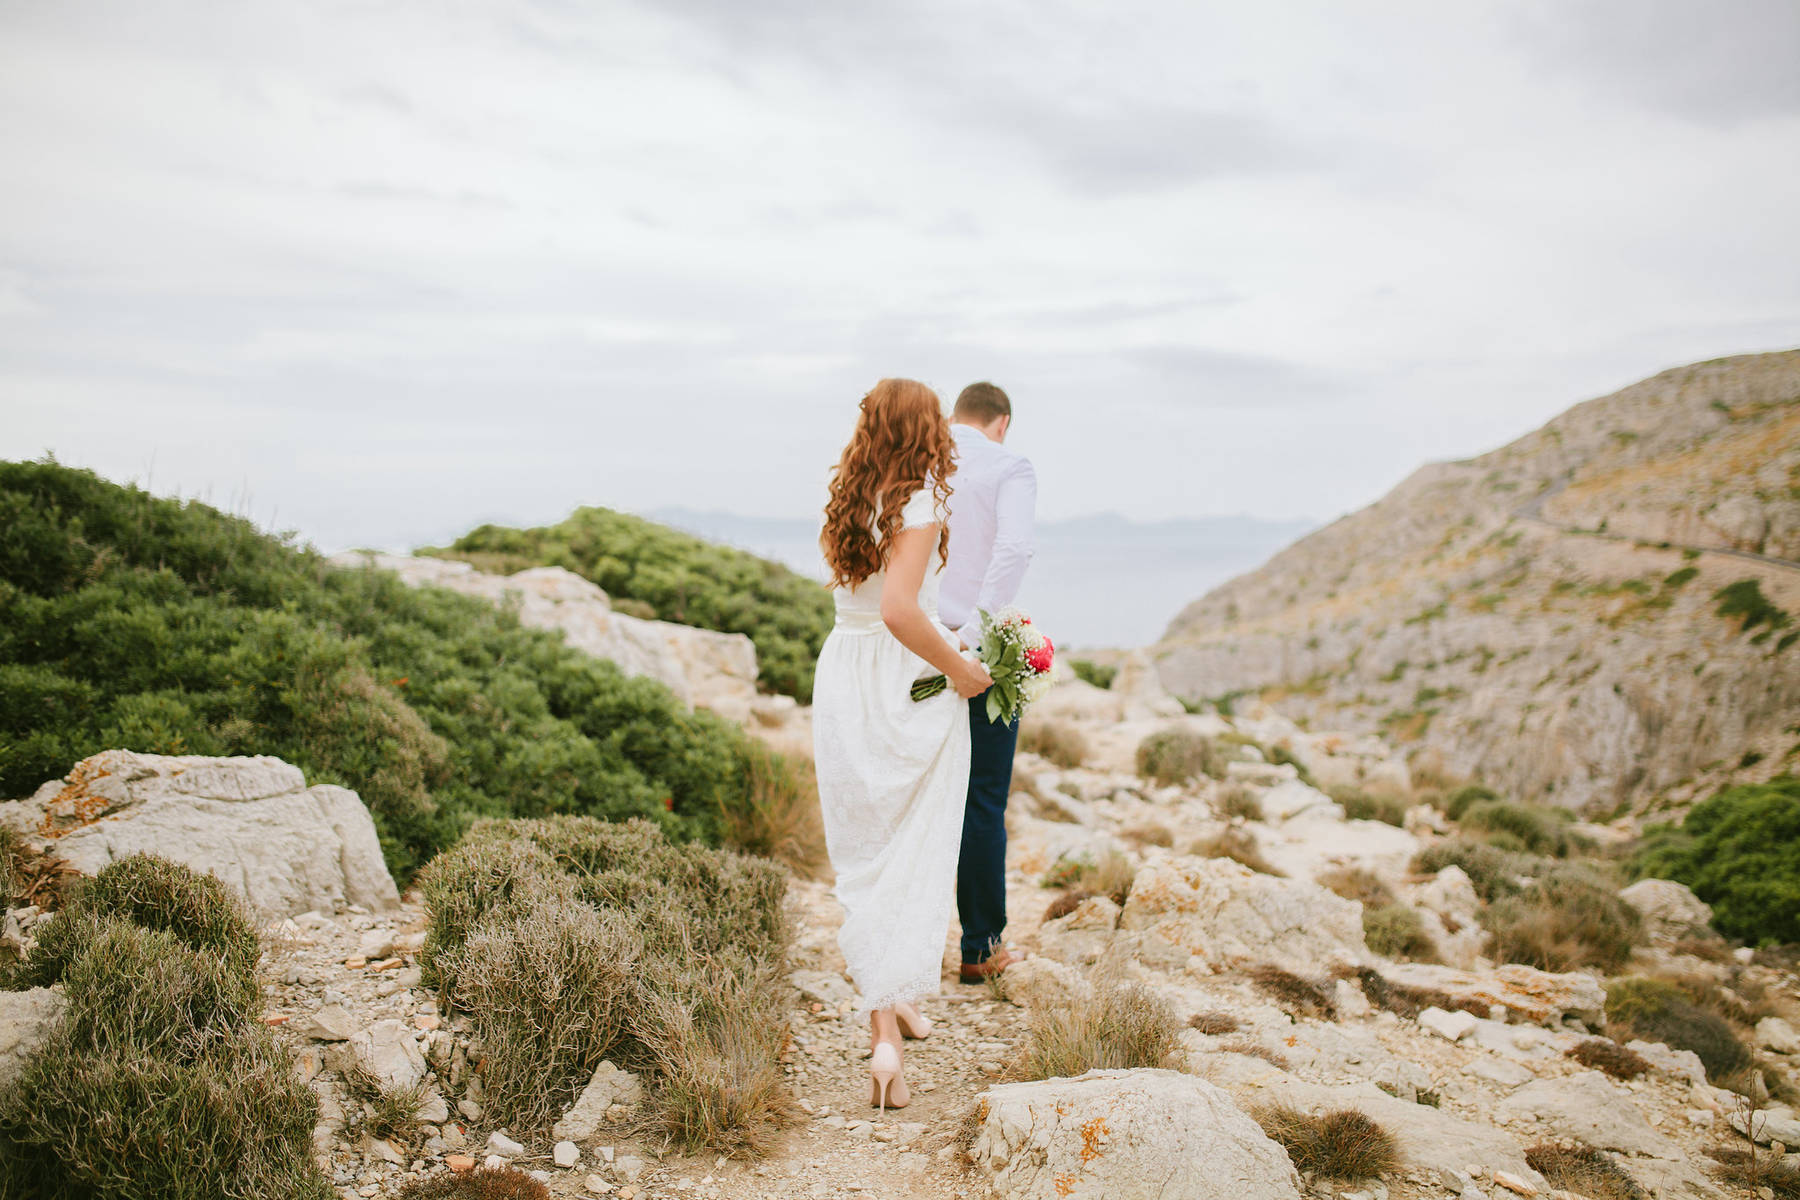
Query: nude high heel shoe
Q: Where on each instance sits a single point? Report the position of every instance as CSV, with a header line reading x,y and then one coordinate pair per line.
x,y
884,1075
912,1025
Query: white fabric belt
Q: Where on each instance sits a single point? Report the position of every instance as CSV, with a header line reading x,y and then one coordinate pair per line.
x,y
855,621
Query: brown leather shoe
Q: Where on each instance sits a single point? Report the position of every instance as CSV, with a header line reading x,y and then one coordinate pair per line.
x,y
998,961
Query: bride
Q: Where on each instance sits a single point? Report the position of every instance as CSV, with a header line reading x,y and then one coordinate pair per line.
x,y
893,773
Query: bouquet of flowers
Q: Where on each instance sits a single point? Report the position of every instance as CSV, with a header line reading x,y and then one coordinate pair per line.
x,y
1016,654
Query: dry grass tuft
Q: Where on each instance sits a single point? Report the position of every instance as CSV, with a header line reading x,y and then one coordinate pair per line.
x,y
1567,920
1297,997
1236,845
1240,800
1755,1169
1360,806
1657,1010
1177,756
1357,883
1584,1170
1398,931
1605,1055
1215,1023
1067,903
1061,743
483,1183
1149,834
778,816
1121,1025
1408,1001
1338,1145
1111,876
1251,1049
393,1112
1712,950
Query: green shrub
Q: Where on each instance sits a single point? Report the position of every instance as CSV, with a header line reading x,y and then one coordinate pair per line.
x,y
1061,743
1492,871
1092,672
1178,755
172,628
1360,806
1658,1011
1567,919
133,990
1530,828
1343,1144
155,893
547,989
1240,800
1745,603
1116,1026
681,577
1461,800
1397,931
1740,852
477,877
779,816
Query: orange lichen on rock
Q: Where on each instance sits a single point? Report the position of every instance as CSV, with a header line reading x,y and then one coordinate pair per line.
x,y
1091,1134
76,806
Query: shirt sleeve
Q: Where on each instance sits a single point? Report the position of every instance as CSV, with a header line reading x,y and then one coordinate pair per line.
x,y
921,509
1015,515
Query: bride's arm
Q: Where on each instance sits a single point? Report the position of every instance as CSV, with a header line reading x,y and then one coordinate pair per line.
x,y
900,612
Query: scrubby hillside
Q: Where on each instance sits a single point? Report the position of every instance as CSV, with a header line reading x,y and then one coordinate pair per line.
x,y
1598,614
168,627
673,576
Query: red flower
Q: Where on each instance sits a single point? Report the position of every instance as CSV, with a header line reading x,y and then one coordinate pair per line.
x,y
669,803
1039,660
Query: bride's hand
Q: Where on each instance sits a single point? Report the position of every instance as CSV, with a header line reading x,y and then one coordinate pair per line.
x,y
971,680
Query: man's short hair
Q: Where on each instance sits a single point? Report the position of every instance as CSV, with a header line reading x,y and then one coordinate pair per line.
x,y
982,404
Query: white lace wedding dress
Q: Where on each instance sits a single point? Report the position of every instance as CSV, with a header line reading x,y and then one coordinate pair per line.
x,y
893,778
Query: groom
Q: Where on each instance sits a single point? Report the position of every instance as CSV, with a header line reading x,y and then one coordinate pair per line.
x,y
991,513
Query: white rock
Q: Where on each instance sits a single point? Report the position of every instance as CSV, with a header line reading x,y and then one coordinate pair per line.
x,y
703,667
26,1018
565,1154
1044,983
629,1167
375,944
252,822
1451,1025
505,1147
609,1085
1590,1107
1527,993
1677,1064
1125,1135
433,1110
1670,910
494,1162
1776,1035
1289,799
1773,1124
823,987
330,1023
389,1051
1221,913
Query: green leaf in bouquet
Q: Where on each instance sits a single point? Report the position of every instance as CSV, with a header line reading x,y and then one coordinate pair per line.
x,y
993,707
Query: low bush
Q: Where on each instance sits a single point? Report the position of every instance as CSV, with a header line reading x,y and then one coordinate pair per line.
x,y
483,1183
1110,876
1494,873
1360,806
1343,1144
1238,846
1092,672
1150,833
1357,883
155,893
778,815
1118,1025
1532,828
680,577
1656,1010
1463,798
1603,1054
1397,931
1297,997
1740,852
157,1079
1066,903
1566,920
1240,800
392,1112
568,939
1177,756
1754,1169
1581,1169
1061,743
1215,1024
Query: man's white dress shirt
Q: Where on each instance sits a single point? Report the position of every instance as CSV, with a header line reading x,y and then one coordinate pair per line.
x,y
993,500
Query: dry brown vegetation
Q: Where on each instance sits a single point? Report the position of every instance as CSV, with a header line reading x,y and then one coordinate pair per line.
x,y
1110,876
483,1183
778,814
1405,1000
1215,1023
1356,883
1605,1055
1067,903
1059,742
1149,834
1343,1144
1755,1170
1177,756
1119,1025
1239,800
1581,1169
1297,997
1251,1049
1238,846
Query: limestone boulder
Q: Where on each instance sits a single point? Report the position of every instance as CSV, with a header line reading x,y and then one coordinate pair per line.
x,y
1140,690
1588,1107
1539,997
1125,1135
1670,910
252,822
608,1086
703,667
26,1019
1215,912
389,1050
1045,983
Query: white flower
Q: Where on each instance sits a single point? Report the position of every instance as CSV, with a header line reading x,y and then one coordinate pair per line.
x,y
1035,688
1012,614
1031,637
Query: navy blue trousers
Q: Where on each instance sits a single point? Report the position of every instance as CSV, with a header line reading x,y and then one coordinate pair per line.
x,y
981,869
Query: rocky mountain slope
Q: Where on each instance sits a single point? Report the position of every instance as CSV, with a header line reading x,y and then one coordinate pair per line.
x,y
1600,614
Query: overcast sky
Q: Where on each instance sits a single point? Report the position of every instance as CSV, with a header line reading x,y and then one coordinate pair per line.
x,y
379,271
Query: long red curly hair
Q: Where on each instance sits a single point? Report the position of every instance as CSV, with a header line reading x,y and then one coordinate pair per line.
x,y
902,443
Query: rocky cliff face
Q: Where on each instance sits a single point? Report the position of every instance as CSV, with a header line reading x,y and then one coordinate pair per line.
x,y
1601,613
